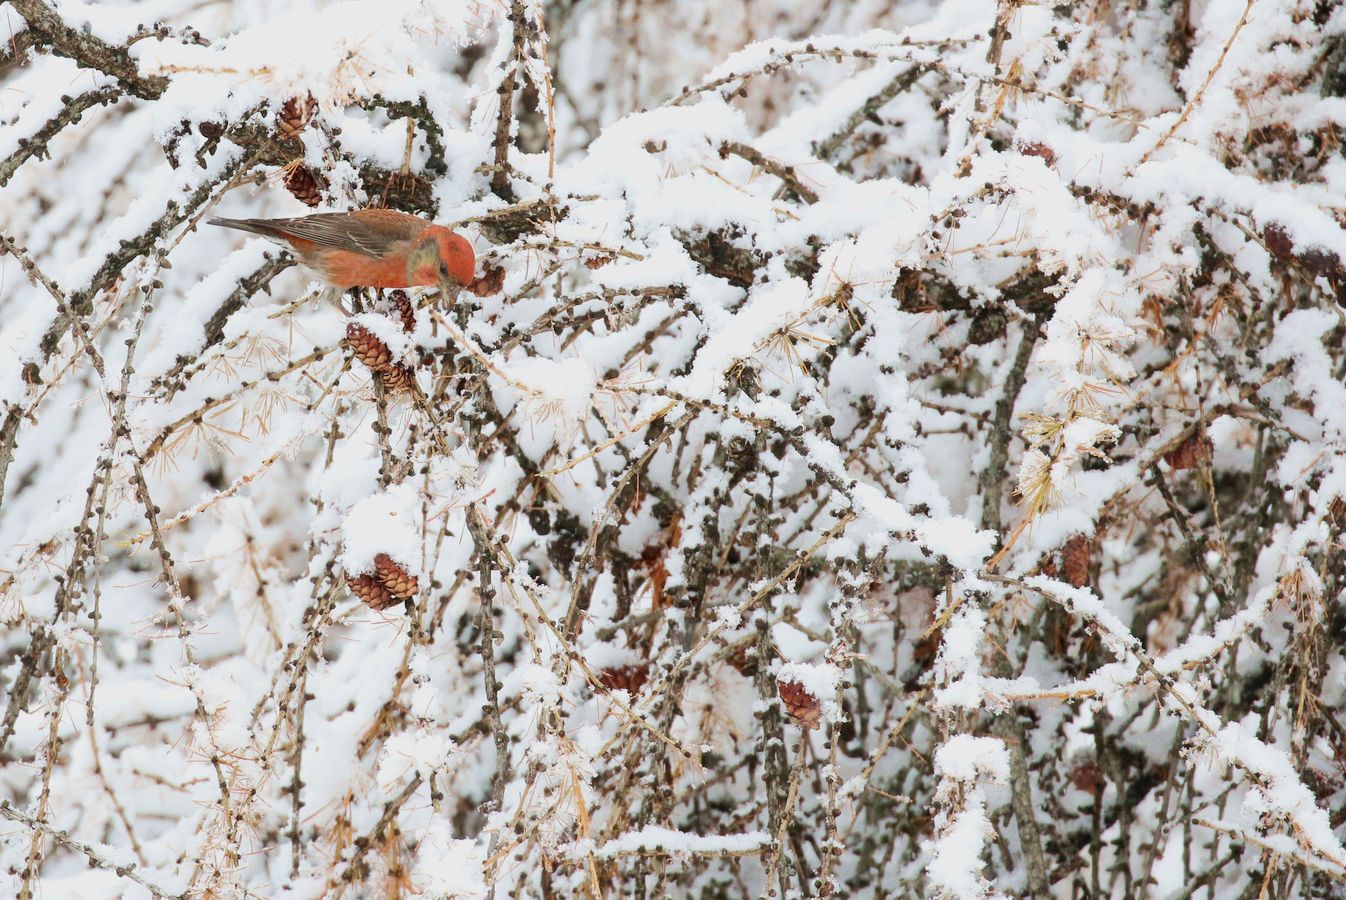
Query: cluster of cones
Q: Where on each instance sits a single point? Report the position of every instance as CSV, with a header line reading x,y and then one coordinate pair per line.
x,y
388,584
304,183
375,354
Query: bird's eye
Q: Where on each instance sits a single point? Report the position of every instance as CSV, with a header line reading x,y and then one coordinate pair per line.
x,y
443,269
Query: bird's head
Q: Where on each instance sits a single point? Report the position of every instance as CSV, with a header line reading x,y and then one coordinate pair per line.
x,y
441,258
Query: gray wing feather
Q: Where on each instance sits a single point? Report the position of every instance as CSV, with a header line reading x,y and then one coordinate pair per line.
x,y
334,230
329,230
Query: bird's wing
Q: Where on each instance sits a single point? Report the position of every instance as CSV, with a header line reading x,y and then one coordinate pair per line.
x,y
372,232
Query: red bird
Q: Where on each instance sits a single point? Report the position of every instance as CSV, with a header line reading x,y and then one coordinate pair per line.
x,y
376,248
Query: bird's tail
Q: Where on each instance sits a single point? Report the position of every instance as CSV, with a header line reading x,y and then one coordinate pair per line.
x,y
256,226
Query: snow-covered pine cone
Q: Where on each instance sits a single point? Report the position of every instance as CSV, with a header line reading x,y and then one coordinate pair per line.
x,y
369,589
1042,151
305,184
802,706
295,115
400,305
375,354
399,582
1278,241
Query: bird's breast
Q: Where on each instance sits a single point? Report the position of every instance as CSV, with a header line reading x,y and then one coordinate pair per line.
x,y
344,269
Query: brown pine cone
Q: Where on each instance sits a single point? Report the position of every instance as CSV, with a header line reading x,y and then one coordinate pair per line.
x,y
398,379
295,115
625,678
371,591
1076,556
1039,150
374,353
744,660
802,706
1190,453
401,305
367,348
1088,777
490,281
1321,261
305,184
1278,241
396,579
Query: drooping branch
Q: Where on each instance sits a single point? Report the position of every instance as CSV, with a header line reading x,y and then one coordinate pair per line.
x,y
87,50
72,110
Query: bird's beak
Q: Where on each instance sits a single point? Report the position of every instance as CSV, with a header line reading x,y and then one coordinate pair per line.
x,y
449,289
